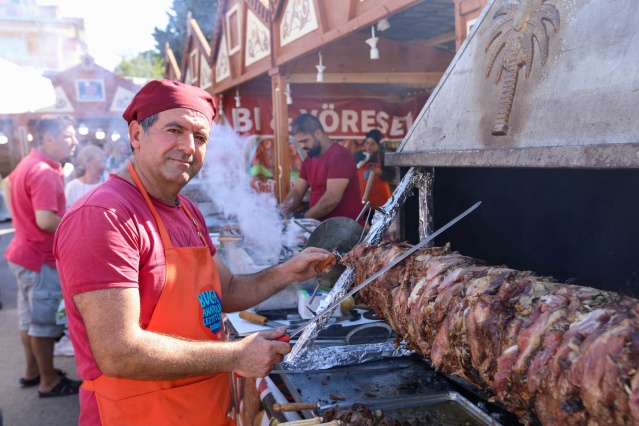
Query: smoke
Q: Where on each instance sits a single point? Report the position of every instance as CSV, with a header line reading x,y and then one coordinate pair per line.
x,y
228,186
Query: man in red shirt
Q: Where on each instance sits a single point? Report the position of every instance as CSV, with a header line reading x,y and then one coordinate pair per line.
x,y
330,171
144,288
34,194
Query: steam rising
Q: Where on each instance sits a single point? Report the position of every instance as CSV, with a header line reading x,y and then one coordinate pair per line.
x,y
228,186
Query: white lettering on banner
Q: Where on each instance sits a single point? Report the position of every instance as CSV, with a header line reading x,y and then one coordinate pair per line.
x,y
258,123
329,114
396,126
368,120
349,121
399,130
242,120
346,122
382,121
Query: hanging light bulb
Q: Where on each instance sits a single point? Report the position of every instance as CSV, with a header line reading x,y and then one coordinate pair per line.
x,y
3,138
29,137
372,42
83,129
237,97
100,134
115,135
287,92
320,68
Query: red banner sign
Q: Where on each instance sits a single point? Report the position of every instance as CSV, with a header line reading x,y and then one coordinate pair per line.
x,y
342,119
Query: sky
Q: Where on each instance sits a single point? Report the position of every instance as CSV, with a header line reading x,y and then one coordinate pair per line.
x,y
116,28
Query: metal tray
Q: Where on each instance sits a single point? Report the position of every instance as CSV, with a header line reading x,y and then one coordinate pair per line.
x,y
406,381
442,408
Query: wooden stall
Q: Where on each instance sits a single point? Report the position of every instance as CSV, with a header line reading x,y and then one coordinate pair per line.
x,y
315,55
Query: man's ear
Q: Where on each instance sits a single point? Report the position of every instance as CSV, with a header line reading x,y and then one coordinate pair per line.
x,y
46,139
135,131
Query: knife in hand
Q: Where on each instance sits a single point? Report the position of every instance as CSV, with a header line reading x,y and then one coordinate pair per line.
x,y
385,268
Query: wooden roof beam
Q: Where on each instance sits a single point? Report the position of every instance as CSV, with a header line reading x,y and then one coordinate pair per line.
x,y
417,79
171,62
201,38
436,41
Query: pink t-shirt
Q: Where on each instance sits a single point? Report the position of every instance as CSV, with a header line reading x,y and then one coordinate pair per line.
x,y
37,183
336,163
109,239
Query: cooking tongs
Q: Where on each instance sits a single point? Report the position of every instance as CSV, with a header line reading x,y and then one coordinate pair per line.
x,y
385,268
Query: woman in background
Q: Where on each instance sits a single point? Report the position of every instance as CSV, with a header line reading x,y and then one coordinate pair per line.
x,y
371,160
89,172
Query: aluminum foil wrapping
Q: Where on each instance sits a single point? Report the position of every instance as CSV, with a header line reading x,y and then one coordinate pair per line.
x,y
321,358
426,223
416,176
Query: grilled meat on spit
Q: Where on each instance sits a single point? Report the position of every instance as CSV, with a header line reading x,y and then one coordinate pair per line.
x,y
552,353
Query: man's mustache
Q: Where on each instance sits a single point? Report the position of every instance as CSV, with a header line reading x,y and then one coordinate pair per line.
x,y
187,159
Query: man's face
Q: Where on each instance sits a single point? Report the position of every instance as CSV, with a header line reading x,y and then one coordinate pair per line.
x,y
60,146
173,151
309,143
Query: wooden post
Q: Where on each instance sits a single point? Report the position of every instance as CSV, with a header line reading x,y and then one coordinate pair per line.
x,y
466,10
282,170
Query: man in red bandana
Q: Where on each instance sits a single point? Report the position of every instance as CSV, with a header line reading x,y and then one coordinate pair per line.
x,y
144,288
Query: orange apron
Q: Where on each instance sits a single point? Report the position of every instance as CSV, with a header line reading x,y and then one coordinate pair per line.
x,y
380,192
190,306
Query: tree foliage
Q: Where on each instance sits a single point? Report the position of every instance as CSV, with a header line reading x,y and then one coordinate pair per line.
x,y
203,11
147,65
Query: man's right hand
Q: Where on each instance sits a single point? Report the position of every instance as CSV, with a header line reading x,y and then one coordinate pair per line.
x,y
259,352
285,208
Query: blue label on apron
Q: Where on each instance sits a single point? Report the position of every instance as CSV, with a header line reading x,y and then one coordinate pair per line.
x,y
211,310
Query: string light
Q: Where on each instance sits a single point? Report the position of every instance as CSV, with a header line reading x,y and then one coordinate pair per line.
x,y
83,129
320,68
372,42
238,99
100,134
287,92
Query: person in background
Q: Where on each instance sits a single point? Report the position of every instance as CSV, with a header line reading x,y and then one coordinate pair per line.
x,y
34,193
353,145
119,156
143,285
89,171
3,216
371,161
329,170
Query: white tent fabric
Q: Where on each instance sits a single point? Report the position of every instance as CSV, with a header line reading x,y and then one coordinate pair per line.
x,y
23,90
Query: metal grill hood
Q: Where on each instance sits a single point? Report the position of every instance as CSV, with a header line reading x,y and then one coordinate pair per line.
x,y
551,83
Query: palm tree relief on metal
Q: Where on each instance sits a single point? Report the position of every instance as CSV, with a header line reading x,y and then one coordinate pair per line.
x,y
511,43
